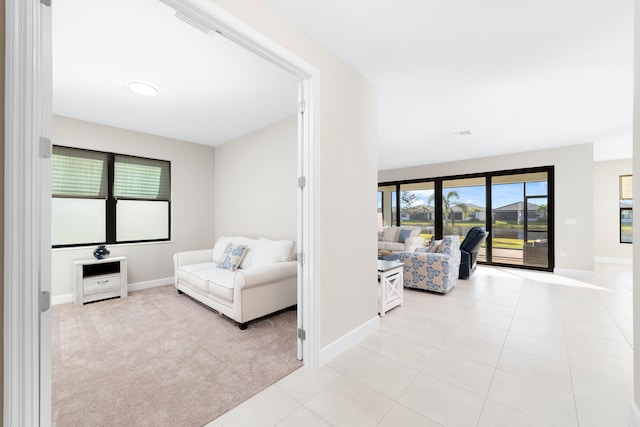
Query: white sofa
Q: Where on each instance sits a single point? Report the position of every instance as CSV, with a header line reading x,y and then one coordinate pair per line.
x,y
264,282
394,240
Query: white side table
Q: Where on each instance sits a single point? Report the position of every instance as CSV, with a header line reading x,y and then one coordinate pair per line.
x,y
97,279
390,276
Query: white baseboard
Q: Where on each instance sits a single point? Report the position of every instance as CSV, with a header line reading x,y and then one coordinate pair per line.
x,y
66,298
605,260
348,340
634,414
150,284
576,274
61,299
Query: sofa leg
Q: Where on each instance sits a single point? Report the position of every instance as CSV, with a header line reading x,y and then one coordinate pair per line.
x,y
180,292
242,326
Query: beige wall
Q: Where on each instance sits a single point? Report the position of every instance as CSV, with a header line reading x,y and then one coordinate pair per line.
x,y
256,183
573,193
192,200
606,213
347,154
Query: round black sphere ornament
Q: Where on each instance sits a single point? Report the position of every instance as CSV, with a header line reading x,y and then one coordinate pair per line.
x,y
101,252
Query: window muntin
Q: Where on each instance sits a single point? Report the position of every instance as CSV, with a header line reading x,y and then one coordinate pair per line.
x,y
108,198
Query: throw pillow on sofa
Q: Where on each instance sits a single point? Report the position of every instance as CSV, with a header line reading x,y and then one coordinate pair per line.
x,y
271,251
232,256
405,233
220,247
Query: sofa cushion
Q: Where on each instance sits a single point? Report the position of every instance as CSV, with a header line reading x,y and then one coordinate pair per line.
x,y
271,251
415,232
405,233
248,254
390,234
216,281
394,246
185,271
232,256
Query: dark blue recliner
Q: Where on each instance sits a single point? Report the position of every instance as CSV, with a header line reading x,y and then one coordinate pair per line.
x,y
469,249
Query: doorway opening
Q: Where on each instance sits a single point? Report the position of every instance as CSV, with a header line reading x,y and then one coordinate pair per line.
x,y
27,268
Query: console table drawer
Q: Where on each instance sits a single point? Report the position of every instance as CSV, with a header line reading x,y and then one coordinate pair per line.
x,y
100,284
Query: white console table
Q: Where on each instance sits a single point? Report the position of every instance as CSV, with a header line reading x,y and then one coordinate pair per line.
x,y
390,275
97,279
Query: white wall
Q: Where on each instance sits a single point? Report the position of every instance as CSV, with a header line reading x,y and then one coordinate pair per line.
x,y
573,194
347,156
192,204
606,212
256,183
635,406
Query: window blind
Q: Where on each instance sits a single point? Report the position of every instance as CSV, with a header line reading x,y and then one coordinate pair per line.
x,y
626,187
141,179
79,173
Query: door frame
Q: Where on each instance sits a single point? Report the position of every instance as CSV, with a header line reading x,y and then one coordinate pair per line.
x,y
27,221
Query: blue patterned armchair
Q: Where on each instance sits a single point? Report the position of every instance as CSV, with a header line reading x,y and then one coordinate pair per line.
x,y
433,271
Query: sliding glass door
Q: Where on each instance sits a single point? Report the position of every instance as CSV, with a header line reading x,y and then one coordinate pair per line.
x,y
515,207
464,204
519,219
417,208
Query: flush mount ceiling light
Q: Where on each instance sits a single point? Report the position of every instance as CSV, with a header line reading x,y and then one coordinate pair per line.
x,y
463,133
142,88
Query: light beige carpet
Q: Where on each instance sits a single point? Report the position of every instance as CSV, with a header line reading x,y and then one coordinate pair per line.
x,y
158,358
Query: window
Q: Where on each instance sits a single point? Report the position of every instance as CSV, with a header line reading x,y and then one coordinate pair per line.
x,y
514,206
626,209
108,198
417,209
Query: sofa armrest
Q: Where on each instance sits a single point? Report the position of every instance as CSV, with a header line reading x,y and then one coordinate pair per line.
x,y
265,274
413,243
192,257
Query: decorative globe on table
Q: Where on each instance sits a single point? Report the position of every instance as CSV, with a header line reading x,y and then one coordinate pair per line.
x,y
101,252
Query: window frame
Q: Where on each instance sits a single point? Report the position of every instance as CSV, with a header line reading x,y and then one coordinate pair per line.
x,y
621,209
111,203
438,188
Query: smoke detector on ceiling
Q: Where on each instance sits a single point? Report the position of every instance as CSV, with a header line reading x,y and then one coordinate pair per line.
x,y
463,133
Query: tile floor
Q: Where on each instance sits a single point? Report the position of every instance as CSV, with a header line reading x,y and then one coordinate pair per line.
x,y
507,347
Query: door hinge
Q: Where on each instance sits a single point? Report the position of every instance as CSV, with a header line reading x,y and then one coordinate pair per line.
x,y
45,148
301,259
46,2
302,181
45,301
302,106
302,334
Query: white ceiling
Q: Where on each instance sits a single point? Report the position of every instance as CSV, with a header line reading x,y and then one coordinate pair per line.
x,y
521,75
211,90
